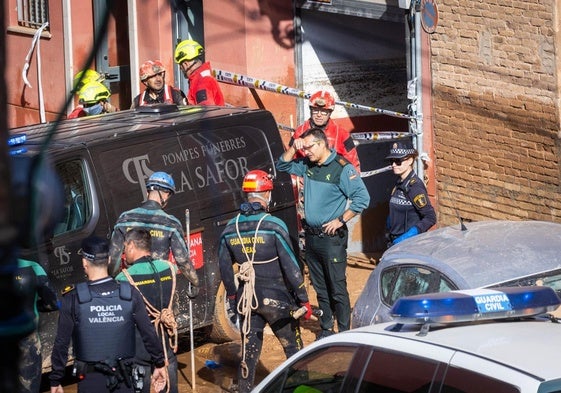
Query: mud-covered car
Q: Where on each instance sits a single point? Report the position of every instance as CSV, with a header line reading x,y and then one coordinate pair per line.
x,y
482,254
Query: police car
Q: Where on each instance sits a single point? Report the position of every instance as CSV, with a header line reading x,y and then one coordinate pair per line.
x,y
480,340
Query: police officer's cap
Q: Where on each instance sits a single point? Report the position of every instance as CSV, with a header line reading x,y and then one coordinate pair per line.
x,y
95,249
401,149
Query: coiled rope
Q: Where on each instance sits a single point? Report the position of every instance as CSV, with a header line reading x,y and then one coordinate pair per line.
x,y
248,300
163,320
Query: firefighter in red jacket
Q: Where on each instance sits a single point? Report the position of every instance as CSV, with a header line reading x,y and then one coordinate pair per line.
x,y
203,88
322,104
153,76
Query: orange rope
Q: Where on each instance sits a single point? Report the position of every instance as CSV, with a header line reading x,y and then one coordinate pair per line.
x,y
163,320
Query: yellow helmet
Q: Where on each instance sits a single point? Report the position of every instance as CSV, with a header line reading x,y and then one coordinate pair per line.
x,y
187,50
93,92
88,76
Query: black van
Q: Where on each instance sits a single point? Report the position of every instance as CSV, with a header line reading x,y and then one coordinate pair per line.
x,y
103,162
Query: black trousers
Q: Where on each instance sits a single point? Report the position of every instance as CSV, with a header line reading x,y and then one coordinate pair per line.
x,y
286,329
326,257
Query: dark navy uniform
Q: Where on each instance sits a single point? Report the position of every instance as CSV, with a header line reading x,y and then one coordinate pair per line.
x,y
410,207
279,286
154,280
101,327
32,279
165,230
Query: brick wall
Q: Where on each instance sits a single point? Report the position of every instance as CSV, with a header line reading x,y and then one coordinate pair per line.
x,y
496,114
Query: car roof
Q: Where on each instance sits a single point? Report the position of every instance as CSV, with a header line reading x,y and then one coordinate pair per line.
x,y
522,345
122,124
486,253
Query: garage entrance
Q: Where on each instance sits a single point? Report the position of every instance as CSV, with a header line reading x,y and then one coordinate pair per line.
x,y
359,51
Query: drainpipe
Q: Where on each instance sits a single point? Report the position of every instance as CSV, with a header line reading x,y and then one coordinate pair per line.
x,y
133,48
415,84
68,54
418,78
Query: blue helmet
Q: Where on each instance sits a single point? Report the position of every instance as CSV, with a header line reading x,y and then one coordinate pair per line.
x,y
161,181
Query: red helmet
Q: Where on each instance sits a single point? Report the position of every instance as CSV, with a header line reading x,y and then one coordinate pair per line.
x,y
257,181
322,99
150,68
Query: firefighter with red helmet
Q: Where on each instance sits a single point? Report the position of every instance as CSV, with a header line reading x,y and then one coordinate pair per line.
x,y
153,76
322,104
269,284
203,88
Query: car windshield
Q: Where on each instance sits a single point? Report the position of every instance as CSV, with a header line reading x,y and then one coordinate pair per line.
x,y
549,279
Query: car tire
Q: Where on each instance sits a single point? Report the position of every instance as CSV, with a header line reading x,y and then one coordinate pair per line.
x,y
223,330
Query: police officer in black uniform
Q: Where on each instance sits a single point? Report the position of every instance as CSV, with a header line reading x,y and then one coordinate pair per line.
x,y
271,285
411,212
165,229
100,317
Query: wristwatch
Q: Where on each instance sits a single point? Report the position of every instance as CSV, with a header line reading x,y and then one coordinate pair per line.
x,y
342,220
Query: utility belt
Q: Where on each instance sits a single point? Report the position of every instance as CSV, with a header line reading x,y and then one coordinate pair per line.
x,y
117,372
318,231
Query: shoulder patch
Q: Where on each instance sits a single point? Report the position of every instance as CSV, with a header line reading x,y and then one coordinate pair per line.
x,y
66,289
420,201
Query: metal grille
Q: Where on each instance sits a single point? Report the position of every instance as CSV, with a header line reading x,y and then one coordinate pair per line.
x,y
33,13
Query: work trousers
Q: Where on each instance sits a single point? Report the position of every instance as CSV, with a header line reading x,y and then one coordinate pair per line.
x,y
326,257
30,366
287,331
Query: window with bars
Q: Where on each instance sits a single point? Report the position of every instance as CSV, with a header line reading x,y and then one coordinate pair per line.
x,y
32,13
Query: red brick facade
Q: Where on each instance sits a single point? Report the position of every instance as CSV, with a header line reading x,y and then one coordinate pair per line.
x,y
496,110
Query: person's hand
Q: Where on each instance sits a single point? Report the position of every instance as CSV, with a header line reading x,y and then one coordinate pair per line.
x,y
298,144
192,291
57,389
410,233
308,314
233,308
159,377
331,227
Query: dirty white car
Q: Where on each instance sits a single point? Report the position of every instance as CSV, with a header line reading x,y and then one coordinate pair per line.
x,y
482,254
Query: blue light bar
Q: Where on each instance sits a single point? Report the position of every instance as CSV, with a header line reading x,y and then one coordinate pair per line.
x,y
475,304
18,139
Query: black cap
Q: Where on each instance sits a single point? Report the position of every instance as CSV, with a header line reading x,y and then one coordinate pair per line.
x,y
401,149
95,249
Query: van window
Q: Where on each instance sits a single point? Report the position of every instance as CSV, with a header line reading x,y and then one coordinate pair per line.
x,y
77,206
460,380
412,280
395,372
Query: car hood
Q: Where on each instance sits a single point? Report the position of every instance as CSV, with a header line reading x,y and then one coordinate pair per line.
x,y
487,252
